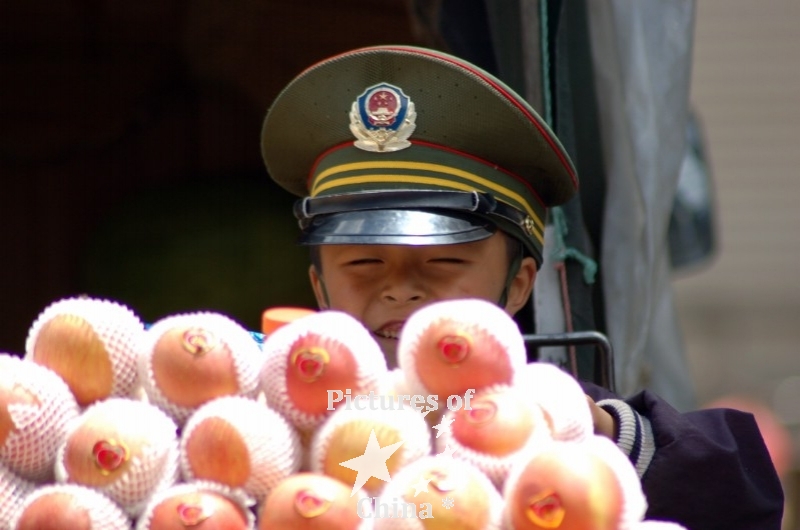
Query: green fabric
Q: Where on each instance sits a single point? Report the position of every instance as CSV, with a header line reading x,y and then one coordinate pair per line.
x,y
226,245
457,104
425,154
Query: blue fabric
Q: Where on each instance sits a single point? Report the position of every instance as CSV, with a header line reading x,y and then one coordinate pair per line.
x,y
711,468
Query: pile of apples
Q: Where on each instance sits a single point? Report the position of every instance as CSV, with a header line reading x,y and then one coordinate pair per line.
x,y
195,422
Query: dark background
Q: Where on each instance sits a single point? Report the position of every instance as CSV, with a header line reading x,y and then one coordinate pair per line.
x,y
129,150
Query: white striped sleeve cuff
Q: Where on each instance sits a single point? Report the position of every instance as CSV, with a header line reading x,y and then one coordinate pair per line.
x,y
634,434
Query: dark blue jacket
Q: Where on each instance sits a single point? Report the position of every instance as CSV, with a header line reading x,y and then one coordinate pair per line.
x,y
710,468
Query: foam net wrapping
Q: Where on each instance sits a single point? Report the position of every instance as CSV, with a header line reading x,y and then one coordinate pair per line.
x,y
242,502
104,514
273,446
394,383
334,332
483,322
633,501
40,420
245,354
561,398
350,428
153,467
115,324
13,490
315,501
476,503
495,467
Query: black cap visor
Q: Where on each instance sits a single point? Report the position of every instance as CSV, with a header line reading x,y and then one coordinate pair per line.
x,y
395,227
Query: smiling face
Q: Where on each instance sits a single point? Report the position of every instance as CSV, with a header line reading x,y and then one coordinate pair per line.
x,y
381,285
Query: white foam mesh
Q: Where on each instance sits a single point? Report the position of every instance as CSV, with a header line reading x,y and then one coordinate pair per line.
x,y
242,501
408,423
245,353
561,397
31,449
335,325
473,313
104,514
13,490
156,468
323,489
117,326
394,383
496,468
272,444
634,503
407,477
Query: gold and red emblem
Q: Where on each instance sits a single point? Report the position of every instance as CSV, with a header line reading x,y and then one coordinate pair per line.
x,y
382,119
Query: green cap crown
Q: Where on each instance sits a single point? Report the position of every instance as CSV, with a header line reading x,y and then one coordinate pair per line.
x,y
386,119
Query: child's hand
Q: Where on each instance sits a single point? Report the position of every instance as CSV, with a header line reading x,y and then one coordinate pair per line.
x,y
604,423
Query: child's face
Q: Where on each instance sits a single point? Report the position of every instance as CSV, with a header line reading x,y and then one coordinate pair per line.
x,y
381,285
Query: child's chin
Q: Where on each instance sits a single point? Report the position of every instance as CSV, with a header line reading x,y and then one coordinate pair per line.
x,y
389,348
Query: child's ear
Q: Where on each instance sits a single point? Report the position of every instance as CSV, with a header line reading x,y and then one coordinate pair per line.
x,y
318,286
519,291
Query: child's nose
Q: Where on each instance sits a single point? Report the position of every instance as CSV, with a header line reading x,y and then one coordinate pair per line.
x,y
402,288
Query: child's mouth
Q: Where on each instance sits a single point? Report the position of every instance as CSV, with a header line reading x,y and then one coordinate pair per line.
x,y
390,330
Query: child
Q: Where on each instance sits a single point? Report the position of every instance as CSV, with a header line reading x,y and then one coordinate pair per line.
x,y
425,178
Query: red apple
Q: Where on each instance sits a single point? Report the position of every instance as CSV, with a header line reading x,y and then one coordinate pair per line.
x,y
314,361
566,487
90,343
452,346
192,506
310,501
70,506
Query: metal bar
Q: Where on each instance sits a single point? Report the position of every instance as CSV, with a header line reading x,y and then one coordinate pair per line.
x,y
602,343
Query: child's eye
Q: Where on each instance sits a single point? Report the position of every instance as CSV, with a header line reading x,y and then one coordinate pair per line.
x,y
456,261
363,261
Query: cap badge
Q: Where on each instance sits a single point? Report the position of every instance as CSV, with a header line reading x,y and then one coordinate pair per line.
x,y
529,225
382,118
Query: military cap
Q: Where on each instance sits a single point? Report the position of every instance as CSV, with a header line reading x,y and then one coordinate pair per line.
x,y
407,145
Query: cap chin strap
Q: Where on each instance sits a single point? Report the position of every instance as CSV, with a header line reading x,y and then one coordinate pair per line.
x,y
324,292
513,269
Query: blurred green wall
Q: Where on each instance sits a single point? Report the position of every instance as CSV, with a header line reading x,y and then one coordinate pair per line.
x,y
225,244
